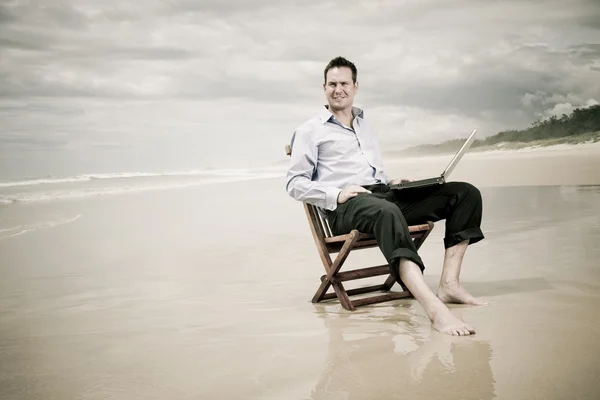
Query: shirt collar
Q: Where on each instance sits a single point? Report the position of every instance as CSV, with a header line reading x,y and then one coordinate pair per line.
x,y
325,115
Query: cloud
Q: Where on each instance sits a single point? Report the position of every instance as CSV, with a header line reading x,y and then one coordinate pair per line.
x,y
429,56
560,109
546,105
178,73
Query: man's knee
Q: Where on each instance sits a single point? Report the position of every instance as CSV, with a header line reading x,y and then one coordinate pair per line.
x,y
388,209
389,212
466,190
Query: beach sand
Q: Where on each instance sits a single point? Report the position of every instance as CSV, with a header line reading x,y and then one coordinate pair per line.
x,y
204,293
553,165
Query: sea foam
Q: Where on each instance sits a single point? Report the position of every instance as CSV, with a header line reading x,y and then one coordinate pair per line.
x,y
76,187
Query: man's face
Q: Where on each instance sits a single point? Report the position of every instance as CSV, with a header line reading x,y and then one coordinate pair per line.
x,y
339,88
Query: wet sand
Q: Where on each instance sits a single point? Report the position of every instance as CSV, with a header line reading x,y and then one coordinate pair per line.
x,y
204,293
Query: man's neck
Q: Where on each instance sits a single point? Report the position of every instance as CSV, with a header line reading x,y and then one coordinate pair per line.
x,y
344,116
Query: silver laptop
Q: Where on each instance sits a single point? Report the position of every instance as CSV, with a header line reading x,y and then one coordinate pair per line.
x,y
438,180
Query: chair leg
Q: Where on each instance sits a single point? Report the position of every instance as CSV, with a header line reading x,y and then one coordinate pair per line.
x,y
332,270
343,296
389,282
419,241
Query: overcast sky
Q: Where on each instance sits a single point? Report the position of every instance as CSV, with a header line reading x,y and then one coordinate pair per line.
x,y
99,85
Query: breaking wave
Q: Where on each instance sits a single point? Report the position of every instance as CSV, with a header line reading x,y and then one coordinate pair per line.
x,y
48,189
18,230
125,175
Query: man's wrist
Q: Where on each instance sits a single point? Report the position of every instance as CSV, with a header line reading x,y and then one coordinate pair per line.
x,y
332,197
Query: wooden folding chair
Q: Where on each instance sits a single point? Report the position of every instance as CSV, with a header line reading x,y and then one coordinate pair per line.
x,y
328,244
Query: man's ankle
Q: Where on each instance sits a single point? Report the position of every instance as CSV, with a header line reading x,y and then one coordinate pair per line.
x,y
436,310
449,282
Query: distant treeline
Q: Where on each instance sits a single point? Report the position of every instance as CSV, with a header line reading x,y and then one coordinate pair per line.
x,y
582,120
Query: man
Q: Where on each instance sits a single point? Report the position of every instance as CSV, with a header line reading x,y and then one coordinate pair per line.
x,y
336,164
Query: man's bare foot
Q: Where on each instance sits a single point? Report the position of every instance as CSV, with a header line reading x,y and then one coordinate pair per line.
x,y
445,322
455,293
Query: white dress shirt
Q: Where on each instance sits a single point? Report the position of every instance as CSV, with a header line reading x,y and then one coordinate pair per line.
x,y
328,156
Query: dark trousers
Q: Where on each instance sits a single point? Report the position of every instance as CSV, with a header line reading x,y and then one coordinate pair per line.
x,y
388,213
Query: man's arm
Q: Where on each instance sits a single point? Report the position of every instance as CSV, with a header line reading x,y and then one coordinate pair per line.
x,y
303,164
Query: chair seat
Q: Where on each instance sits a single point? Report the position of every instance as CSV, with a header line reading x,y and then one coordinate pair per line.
x,y
367,236
365,240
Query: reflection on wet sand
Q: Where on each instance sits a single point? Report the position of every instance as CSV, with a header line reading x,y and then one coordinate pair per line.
x,y
391,353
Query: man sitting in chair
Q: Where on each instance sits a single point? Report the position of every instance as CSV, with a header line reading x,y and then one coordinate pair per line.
x,y
336,165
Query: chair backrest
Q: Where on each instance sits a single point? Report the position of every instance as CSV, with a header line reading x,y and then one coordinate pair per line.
x,y
321,222
318,222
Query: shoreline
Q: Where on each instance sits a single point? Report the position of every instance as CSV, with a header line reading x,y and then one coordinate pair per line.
x,y
560,147
532,166
540,166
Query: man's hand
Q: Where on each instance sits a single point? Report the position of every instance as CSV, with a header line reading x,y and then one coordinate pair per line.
x,y
350,192
400,180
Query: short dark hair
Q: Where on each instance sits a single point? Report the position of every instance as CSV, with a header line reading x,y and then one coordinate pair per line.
x,y
341,62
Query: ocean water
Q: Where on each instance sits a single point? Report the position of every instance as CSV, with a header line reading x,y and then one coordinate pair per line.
x,y
26,204
52,188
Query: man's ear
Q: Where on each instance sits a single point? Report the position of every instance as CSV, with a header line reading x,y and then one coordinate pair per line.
x,y
356,86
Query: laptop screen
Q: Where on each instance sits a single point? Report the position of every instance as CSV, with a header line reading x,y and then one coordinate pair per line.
x,y
460,153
